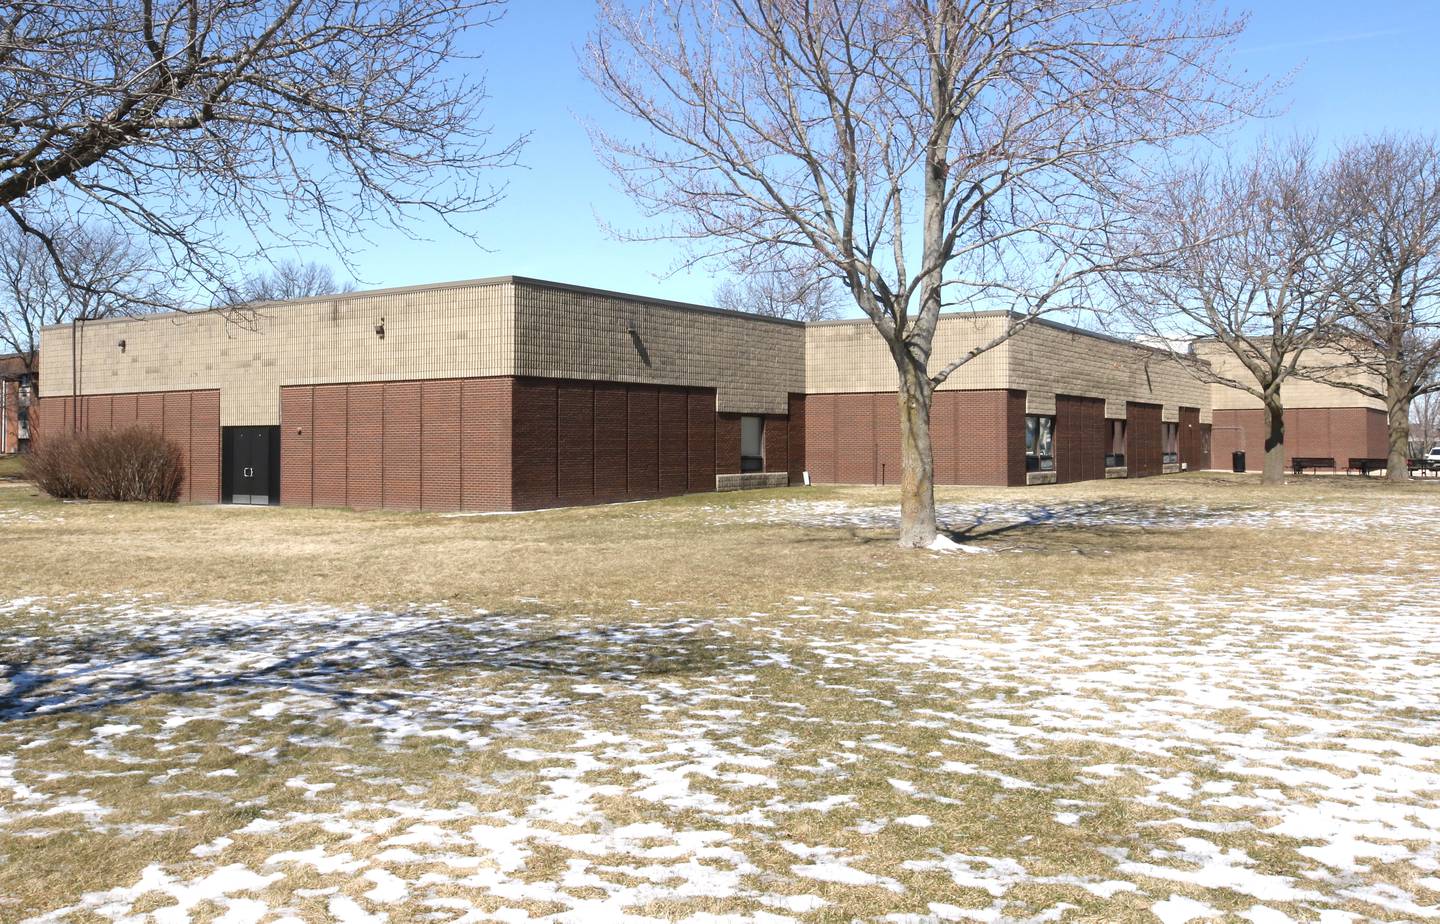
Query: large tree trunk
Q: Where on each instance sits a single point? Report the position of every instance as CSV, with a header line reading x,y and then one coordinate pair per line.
x,y
917,470
1274,442
1396,468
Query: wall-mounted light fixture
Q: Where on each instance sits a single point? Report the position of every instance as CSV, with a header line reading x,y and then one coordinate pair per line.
x,y
121,345
630,328
380,329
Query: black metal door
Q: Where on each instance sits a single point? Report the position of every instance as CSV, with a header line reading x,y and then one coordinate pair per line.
x,y
251,468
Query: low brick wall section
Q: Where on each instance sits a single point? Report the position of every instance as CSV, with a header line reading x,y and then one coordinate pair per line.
x,y
978,437
1144,451
190,418
1341,433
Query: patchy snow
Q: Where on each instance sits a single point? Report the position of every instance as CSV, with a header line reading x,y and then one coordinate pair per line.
x,y
1148,748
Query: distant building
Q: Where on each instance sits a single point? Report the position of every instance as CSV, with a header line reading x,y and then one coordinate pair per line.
x,y
1324,421
513,393
17,396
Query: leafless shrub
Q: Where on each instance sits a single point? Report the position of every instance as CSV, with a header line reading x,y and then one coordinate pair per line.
x,y
129,464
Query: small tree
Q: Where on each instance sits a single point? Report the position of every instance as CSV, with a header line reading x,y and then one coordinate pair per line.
x,y
1248,258
1389,329
784,288
927,153
290,279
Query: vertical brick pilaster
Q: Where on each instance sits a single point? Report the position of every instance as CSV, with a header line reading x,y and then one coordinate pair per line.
x,y
330,446
575,442
1144,449
610,440
533,448
642,426
700,439
440,445
297,435
674,440
401,450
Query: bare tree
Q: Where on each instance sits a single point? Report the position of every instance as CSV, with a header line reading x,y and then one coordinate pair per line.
x,y
1245,263
1389,332
291,279
114,276
180,118
928,153
786,288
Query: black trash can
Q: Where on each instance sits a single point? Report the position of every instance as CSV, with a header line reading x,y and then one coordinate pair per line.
x,y
1237,462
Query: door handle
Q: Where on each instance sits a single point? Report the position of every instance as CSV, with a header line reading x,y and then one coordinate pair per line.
x,y
248,473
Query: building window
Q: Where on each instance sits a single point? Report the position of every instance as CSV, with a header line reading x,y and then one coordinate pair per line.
x,y
1115,458
1170,434
1039,443
752,443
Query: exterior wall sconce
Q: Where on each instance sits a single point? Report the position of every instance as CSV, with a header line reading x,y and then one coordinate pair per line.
x,y
121,345
380,329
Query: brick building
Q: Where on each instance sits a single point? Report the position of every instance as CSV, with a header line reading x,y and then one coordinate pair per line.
x,y
514,393
1320,420
17,392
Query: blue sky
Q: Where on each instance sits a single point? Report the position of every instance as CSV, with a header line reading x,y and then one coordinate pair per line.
x,y
1363,68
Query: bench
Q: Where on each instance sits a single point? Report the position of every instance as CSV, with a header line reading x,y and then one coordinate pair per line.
x,y
1300,463
1366,466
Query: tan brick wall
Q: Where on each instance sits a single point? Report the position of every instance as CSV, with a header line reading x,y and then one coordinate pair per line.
x,y
1045,360
443,331
843,357
564,332
1295,392
1042,360
459,330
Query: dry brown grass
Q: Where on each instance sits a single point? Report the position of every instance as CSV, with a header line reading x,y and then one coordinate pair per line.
x,y
661,551
12,467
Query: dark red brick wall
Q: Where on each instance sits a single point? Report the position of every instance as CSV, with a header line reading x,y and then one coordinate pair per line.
x,y
700,438
1194,444
575,441
1081,434
330,474
442,444
190,418
580,442
727,444
1340,433
535,447
1144,450
977,437
642,440
364,444
297,443
611,440
674,446
440,428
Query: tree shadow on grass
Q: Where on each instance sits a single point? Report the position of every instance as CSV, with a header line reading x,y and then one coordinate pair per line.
x,y
343,654
981,524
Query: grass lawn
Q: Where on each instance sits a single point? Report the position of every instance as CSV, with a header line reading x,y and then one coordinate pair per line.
x,y
12,467
1182,698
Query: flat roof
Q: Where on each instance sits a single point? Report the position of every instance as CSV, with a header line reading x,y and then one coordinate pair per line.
x,y
454,284
626,296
